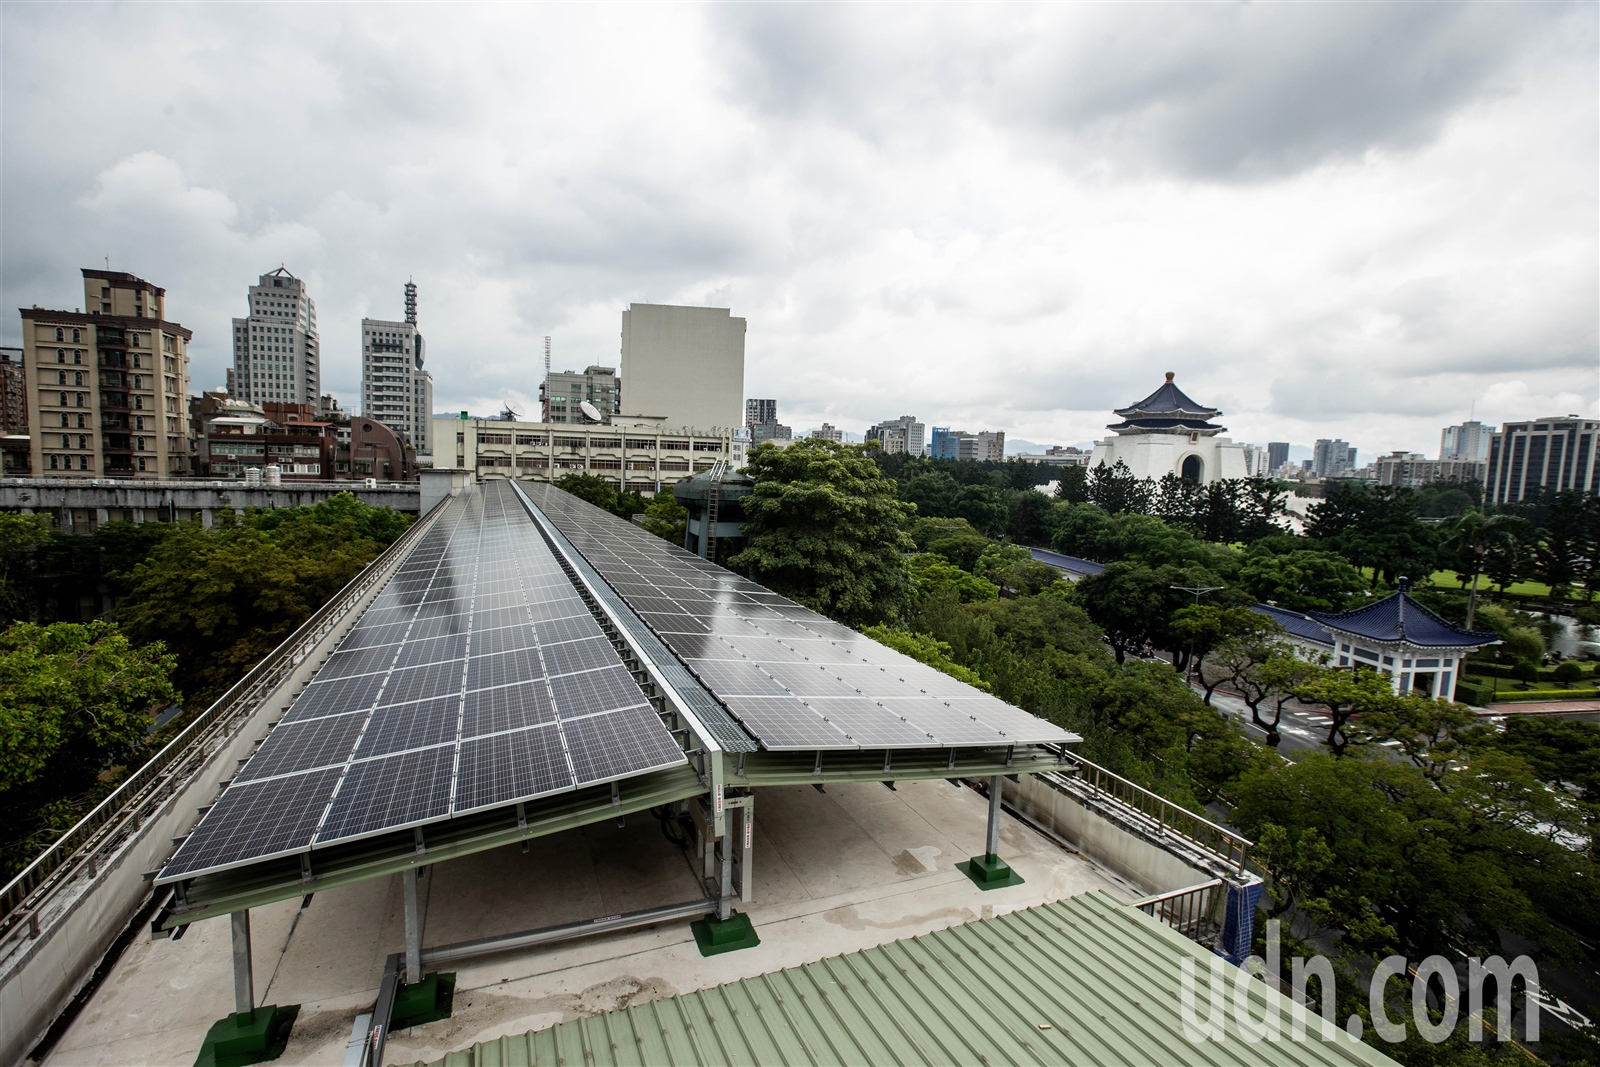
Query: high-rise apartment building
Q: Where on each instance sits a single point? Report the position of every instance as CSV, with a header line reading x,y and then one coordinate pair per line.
x,y
563,391
395,389
684,364
276,354
904,434
1550,454
1329,458
1470,440
1277,455
761,419
107,387
827,432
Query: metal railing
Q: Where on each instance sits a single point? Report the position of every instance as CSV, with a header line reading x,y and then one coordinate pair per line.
x,y
1169,818
1190,911
121,813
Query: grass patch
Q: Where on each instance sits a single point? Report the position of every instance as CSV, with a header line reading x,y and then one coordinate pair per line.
x,y
1451,580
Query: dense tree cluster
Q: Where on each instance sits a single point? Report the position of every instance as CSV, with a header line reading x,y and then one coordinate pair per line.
x,y
1414,830
176,612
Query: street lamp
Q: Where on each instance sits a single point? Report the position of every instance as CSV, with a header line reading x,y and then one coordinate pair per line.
x,y
1198,591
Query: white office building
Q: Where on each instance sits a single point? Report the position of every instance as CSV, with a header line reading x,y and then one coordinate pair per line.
x,y
684,365
904,434
395,389
276,354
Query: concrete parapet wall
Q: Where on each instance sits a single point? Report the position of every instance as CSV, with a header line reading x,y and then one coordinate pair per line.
x,y
1111,834
155,501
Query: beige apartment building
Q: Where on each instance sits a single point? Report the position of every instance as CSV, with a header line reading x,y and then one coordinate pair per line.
x,y
684,365
107,386
640,458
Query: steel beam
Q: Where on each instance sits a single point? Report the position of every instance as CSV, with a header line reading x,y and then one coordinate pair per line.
x,y
244,991
463,950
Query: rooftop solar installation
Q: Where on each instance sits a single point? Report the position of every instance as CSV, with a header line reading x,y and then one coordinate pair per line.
x,y
476,679
793,678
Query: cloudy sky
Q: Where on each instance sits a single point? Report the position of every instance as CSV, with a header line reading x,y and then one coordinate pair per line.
x,y
1351,220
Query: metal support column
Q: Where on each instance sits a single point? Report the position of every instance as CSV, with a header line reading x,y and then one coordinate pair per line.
x,y
725,896
413,926
244,990
992,847
747,835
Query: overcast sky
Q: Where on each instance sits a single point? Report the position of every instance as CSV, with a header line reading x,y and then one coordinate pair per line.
x,y
1330,220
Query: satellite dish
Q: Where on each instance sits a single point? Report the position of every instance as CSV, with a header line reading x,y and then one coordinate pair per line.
x,y
590,412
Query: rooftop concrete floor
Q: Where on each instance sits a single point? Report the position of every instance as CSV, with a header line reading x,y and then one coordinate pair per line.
x,y
858,866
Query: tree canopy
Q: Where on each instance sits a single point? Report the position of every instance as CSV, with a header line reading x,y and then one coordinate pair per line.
x,y
824,526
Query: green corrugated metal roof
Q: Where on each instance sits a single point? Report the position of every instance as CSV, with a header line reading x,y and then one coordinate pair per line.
x,y
1084,981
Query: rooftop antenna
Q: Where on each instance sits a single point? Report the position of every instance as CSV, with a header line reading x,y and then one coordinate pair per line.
x,y
545,392
411,302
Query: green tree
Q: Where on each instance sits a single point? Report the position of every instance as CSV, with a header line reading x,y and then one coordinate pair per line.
x,y
1302,580
74,700
1469,543
1345,693
223,598
591,487
1072,484
20,538
666,518
1115,490
1376,527
825,527
961,549
1203,627
933,574
1128,601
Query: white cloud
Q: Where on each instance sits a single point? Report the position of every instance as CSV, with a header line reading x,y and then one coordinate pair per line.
x,y
1335,220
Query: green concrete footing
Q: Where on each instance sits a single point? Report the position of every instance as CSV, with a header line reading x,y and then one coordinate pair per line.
x,y
247,1037
428,1001
990,872
716,936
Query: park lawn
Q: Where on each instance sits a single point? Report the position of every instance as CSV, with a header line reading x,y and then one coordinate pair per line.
x,y
1451,580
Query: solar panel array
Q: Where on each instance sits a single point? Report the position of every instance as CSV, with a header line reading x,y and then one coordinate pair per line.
x,y
794,679
476,679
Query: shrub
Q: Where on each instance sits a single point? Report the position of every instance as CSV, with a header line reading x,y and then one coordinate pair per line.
x,y
1567,672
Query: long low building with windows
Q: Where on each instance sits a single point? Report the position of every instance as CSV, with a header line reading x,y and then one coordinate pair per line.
x,y
638,456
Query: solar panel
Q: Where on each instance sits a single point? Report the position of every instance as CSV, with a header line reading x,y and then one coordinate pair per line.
x,y
256,821
380,794
440,703
512,766
845,690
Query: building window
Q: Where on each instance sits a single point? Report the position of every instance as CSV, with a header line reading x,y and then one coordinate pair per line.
x,y
61,355
61,377
59,334
77,377
53,463
77,356
63,400
83,463
64,418
77,336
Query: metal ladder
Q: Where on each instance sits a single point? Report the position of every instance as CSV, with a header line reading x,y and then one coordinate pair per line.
x,y
708,532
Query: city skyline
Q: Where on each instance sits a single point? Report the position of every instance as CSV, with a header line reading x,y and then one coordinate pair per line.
x,y
1071,246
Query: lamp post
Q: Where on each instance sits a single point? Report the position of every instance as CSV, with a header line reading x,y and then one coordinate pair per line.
x,y
1198,591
